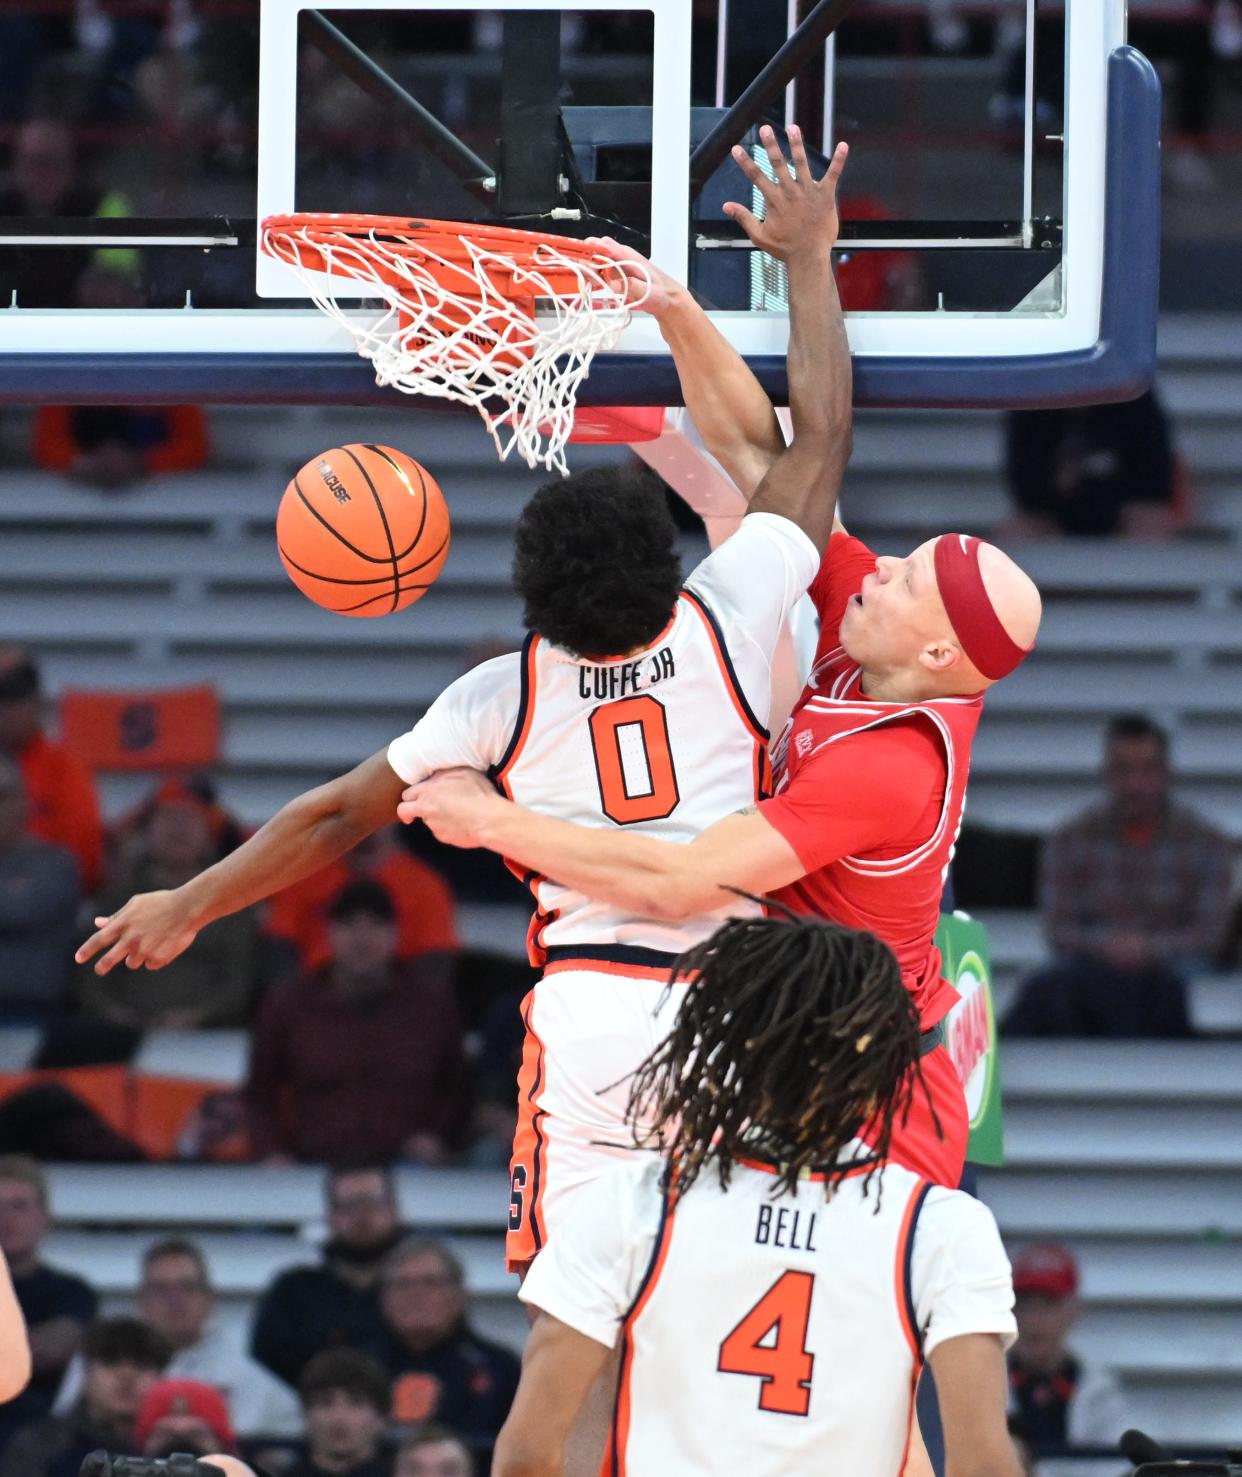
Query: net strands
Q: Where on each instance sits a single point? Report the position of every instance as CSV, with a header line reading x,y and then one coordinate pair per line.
x,y
460,318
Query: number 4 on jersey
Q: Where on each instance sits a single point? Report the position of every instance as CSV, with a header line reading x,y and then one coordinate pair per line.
x,y
770,1344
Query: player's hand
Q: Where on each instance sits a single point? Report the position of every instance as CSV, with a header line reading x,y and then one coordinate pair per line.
x,y
149,931
647,287
454,804
801,213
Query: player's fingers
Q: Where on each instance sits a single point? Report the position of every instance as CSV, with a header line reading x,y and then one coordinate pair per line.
x,y
797,153
836,167
104,933
407,812
776,156
755,175
118,952
748,222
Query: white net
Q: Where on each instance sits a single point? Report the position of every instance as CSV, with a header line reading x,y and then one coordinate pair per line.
x,y
448,331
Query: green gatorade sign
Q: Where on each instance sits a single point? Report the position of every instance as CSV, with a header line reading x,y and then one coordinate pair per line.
x,y
970,1032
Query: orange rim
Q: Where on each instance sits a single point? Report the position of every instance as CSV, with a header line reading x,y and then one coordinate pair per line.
x,y
403,236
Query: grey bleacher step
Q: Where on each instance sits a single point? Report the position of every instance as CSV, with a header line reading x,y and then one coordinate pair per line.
x,y
399,682
1040,805
279,619
1138,1200
244,1264
1015,935
1192,1413
1101,689
1033,745
477,558
1215,1002
1173,1073
1093,1136
202,500
1163,1343
235,1196
1199,338
1142,1276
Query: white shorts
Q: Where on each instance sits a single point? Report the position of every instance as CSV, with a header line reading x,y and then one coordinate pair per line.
x,y
589,1023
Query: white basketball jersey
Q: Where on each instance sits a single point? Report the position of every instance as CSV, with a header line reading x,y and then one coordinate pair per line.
x,y
771,1336
664,742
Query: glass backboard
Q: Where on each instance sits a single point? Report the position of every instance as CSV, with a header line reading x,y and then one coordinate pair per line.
x,y
1000,245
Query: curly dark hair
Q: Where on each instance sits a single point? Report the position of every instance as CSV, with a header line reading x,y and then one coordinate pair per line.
x,y
595,561
794,1035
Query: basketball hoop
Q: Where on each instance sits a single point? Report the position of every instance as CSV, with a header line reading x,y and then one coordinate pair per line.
x,y
460,319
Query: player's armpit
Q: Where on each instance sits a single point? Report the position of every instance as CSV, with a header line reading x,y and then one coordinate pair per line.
x,y
559,1367
971,1386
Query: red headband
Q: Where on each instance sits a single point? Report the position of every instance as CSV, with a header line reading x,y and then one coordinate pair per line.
x,y
974,620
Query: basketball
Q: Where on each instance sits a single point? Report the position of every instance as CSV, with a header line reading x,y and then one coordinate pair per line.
x,y
363,530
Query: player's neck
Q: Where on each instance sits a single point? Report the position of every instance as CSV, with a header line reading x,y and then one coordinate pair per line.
x,y
898,685
908,685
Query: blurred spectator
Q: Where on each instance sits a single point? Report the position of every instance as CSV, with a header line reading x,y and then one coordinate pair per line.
x,y
363,1057
183,1415
434,1451
1135,893
426,920
123,1359
442,1370
500,1040
114,446
57,1305
63,808
345,1404
176,1299
40,890
309,1309
1097,469
45,183
128,832
1058,1401
212,983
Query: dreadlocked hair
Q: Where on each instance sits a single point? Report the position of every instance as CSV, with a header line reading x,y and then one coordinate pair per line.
x,y
793,1035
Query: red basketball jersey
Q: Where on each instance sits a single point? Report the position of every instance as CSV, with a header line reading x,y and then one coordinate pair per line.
x,y
917,752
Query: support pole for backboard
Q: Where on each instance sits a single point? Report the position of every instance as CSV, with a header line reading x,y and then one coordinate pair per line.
x,y
1028,129
375,82
530,141
820,23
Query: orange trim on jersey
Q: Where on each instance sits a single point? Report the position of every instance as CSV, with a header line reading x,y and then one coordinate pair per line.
x,y
901,1269
525,718
914,1385
530,1146
816,1177
616,1466
607,966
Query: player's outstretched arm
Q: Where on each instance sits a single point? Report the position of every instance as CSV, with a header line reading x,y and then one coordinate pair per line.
x,y
800,227
727,404
971,1385
559,1366
657,879
308,833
